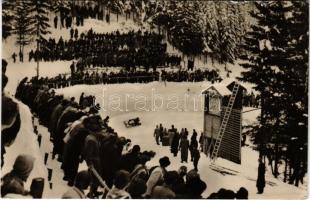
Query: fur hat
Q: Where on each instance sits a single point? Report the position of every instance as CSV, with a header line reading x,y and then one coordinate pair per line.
x,y
164,161
23,165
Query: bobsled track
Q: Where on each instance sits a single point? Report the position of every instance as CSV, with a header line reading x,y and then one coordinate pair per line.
x,y
181,107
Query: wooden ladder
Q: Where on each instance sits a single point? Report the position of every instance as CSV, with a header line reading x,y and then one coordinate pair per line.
x,y
224,122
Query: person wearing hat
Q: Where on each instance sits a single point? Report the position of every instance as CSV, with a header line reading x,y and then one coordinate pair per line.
x,y
136,188
165,191
157,176
81,183
118,191
13,182
130,159
140,170
195,187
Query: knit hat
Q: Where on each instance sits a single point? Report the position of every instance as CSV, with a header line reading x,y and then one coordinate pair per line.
x,y
164,161
23,165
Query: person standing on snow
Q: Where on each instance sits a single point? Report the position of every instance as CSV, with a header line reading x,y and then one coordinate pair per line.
x,y
194,144
260,183
195,156
14,57
175,144
157,134
184,145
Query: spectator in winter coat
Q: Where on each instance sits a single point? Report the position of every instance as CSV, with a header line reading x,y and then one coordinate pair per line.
x,y
137,188
140,170
193,144
92,153
165,191
260,182
13,182
14,57
179,187
55,116
184,145
195,187
21,57
81,100
157,134
161,132
73,149
222,194
121,180
69,115
81,183
242,193
171,133
201,142
76,34
157,176
196,157
175,144
52,102
130,160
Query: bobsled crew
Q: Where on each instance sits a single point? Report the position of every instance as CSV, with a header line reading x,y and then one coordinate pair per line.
x,y
132,122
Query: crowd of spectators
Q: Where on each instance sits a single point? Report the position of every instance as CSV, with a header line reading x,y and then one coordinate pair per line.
x,y
95,77
128,50
79,133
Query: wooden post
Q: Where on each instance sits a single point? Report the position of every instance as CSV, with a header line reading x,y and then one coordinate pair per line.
x,y
50,174
39,139
45,158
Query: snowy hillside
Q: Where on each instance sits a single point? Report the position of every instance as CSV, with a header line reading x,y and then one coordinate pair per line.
x,y
178,104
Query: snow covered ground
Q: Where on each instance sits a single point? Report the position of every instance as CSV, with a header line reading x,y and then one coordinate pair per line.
x,y
26,143
184,116
234,176
243,175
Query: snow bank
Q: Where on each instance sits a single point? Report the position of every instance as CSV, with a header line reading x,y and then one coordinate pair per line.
x,y
26,143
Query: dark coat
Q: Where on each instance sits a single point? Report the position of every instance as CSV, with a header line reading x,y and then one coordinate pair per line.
x,y
72,152
175,143
92,154
70,114
184,145
49,108
129,161
260,183
57,111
